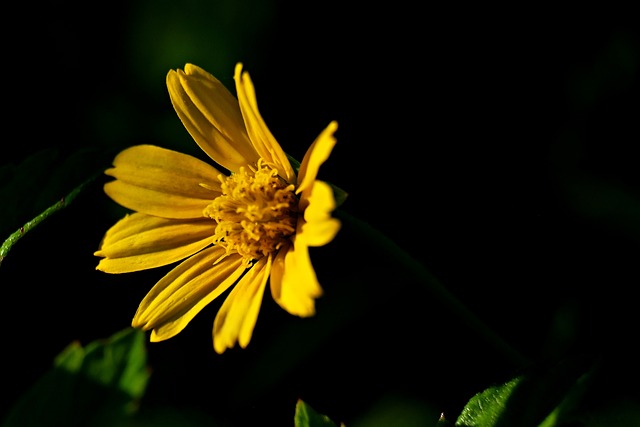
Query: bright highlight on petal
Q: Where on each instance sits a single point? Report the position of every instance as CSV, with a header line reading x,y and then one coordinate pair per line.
x,y
235,231
185,291
237,316
294,284
161,182
139,242
318,227
211,115
315,156
263,141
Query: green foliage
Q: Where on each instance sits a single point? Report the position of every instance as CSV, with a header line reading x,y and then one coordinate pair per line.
x,y
486,408
306,416
560,396
97,385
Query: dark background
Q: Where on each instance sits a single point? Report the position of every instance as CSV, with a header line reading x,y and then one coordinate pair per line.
x,y
497,147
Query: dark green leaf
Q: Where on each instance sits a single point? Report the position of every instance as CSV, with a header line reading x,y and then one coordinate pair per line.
x,y
306,416
98,385
543,397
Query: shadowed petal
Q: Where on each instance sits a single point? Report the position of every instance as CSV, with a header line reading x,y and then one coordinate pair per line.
x,y
162,182
237,317
211,115
185,291
262,139
139,241
294,285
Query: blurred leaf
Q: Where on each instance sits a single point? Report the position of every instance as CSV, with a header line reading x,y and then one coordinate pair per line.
x,y
400,410
167,416
98,385
568,404
306,416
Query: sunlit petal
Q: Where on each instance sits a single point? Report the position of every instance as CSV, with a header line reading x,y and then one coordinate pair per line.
x,y
315,156
261,137
238,314
185,291
317,227
162,182
294,284
156,203
139,242
211,115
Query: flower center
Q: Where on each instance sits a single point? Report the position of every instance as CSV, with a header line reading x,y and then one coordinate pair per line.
x,y
256,212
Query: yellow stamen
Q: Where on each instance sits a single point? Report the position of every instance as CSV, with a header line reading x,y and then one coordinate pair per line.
x,y
256,212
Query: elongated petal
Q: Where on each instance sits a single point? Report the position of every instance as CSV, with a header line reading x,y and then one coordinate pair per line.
x,y
139,241
315,156
263,141
294,284
317,227
162,182
237,317
211,115
185,291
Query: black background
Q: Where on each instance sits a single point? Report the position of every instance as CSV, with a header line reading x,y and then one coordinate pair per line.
x,y
497,147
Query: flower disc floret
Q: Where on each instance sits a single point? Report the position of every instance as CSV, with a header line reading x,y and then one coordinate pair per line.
x,y
256,213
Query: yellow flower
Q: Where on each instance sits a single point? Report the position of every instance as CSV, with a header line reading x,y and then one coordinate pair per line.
x,y
249,226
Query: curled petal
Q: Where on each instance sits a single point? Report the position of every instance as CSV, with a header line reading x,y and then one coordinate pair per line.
x,y
185,291
317,227
261,138
211,115
315,156
294,284
139,242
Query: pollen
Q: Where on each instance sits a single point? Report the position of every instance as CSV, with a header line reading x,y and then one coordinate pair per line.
x,y
256,213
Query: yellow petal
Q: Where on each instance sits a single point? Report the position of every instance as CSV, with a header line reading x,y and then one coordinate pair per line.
x,y
162,182
263,141
317,227
238,314
139,242
185,291
294,284
315,156
211,115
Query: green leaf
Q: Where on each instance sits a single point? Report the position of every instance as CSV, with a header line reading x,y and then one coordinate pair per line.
x,y
400,410
544,397
306,416
98,385
485,408
568,403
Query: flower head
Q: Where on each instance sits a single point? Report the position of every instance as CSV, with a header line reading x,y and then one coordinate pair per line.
x,y
245,223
